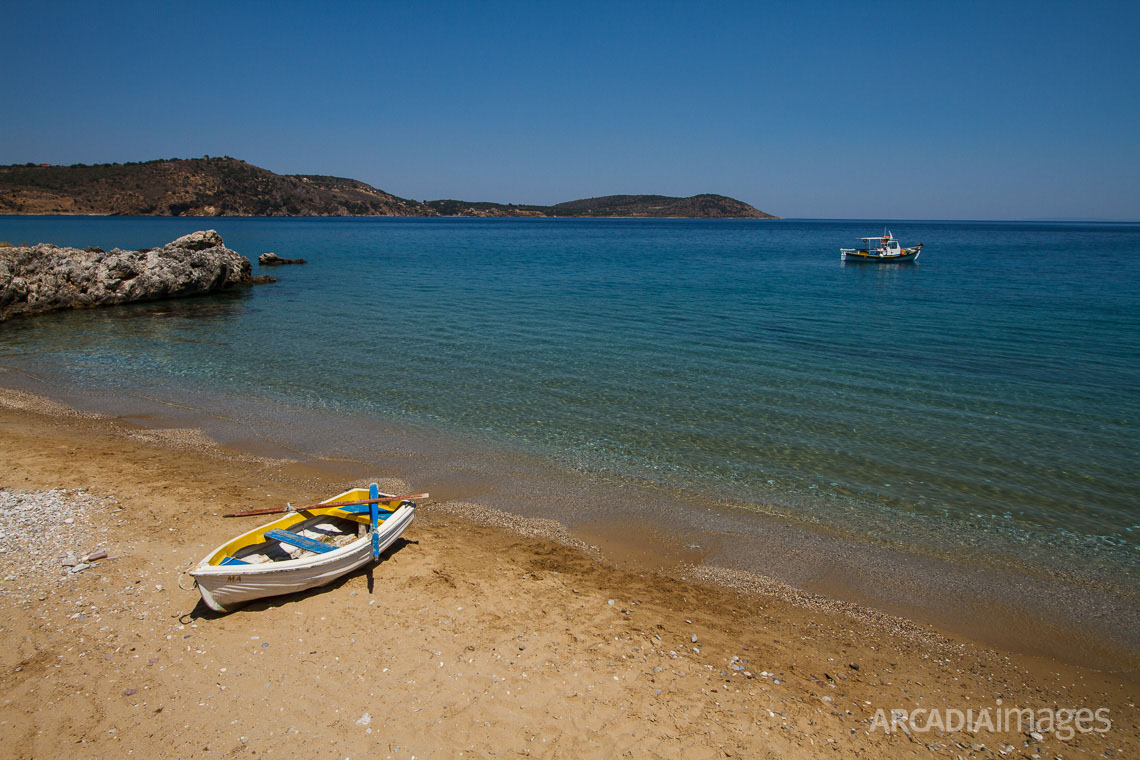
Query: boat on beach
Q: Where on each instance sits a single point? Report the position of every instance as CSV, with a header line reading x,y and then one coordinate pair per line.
x,y
883,248
304,548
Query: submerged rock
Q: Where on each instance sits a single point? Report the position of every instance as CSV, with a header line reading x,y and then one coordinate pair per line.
x,y
44,277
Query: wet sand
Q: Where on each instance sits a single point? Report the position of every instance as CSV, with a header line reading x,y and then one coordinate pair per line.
x,y
481,634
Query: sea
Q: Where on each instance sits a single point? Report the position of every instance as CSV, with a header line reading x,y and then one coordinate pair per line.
x,y
731,384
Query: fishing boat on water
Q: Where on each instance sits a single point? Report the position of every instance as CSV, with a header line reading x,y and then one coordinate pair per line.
x,y
883,248
305,548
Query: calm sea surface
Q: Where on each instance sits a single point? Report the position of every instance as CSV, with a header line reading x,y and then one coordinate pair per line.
x,y
983,402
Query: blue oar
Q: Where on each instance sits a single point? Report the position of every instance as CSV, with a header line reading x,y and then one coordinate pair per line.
x,y
374,511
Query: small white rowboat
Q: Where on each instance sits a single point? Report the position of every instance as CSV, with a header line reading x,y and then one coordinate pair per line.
x,y
302,549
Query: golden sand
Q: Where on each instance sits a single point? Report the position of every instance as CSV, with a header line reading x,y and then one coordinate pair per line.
x,y
480,634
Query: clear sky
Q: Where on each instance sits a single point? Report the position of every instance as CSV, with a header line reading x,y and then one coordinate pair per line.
x,y
947,110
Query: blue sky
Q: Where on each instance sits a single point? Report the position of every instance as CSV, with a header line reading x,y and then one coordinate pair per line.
x,y
989,110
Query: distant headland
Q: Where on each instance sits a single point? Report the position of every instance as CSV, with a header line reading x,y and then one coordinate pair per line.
x,y
224,186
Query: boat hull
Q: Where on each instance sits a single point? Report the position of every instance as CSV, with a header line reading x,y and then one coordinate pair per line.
x,y
225,587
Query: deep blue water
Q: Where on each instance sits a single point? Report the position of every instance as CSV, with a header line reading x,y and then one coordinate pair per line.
x,y
984,398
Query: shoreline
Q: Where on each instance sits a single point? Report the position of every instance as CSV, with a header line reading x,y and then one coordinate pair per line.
x,y
642,528
480,631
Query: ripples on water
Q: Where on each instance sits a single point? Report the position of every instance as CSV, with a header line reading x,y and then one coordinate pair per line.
x,y
983,400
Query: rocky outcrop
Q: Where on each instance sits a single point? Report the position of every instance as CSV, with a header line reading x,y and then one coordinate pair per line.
x,y
198,241
273,260
45,277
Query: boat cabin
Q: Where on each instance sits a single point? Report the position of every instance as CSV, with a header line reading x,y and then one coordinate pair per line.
x,y
884,243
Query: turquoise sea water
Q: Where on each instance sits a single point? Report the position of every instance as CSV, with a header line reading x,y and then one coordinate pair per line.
x,y
981,403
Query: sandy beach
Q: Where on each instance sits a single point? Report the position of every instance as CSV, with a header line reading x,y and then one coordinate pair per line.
x,y
480,634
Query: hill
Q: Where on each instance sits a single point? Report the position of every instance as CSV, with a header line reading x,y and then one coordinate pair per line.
x,y
230,187
190,187
705,206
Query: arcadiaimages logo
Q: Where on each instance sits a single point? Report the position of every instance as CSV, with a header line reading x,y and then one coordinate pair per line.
x,y
1062,722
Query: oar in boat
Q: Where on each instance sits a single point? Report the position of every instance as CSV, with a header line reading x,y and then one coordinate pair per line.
x,y
374,518
278,510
